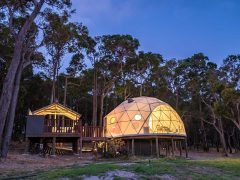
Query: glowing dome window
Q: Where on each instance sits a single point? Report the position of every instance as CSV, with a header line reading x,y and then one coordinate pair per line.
x,y
113,120
137,117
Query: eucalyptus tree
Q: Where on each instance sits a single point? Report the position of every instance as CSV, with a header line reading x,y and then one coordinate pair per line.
x,y
113,51
230,76
194,74
231,105
60,37
11,11
142,67
212,101
29,56
230,71
6,49
173,74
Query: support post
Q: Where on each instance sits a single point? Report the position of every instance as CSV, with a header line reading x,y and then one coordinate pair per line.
x,y
81,145
106,145
172,147
77,146
128,146
133,150
27,145
54,146
180,147
41,146
167,147
151,147
157,149
95,150
186,148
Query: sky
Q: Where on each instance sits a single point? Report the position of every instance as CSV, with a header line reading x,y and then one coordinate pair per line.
x,y
173,28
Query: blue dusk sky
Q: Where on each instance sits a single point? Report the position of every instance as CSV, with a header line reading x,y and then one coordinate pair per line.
x,y
173,28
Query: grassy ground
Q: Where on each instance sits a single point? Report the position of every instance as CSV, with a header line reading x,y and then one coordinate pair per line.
x,y
173,168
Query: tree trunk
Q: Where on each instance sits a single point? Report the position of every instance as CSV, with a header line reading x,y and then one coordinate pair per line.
x,y
141,89
53,95
204,136
102,97
229,144
65,92
221,136
94,115
236,143
223,142
7,134
8,86
177,99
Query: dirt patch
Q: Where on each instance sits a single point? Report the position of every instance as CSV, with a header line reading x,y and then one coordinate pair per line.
x,y
205,170
164,177
18,164
212,154
110,175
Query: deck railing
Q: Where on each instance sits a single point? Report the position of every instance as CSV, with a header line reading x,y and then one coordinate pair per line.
x,y
71,127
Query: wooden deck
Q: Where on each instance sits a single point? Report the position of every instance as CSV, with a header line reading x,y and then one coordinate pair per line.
x,y
67,128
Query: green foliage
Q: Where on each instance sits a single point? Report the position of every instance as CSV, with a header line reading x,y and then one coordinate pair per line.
x,y
92,169
178,168
230,95
116,148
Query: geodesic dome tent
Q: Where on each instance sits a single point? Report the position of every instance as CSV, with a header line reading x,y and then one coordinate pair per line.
x,y
143,116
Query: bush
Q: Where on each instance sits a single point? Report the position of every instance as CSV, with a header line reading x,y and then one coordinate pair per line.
x,y
116,148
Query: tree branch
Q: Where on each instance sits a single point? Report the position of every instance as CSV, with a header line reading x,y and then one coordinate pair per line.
x,y
30,19
10,22
35,2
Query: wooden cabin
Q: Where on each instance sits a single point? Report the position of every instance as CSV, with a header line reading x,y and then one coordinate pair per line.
x,y
54,118
57,123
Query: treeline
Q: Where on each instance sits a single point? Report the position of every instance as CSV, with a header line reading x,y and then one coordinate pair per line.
x,y
104,71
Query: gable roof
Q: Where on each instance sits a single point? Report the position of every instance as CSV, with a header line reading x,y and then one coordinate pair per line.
x,y
57,109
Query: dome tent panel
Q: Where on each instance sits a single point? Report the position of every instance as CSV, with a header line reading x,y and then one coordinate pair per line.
x,y
124,117
119,110
131,106
143,106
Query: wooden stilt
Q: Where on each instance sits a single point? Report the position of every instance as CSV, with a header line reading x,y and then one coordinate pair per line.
x,y
107,146
180,147
133,150
157,149
74,147
80,146
77,145
172,147
186,148
54,146
151,147
41,145
166,147
27,145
